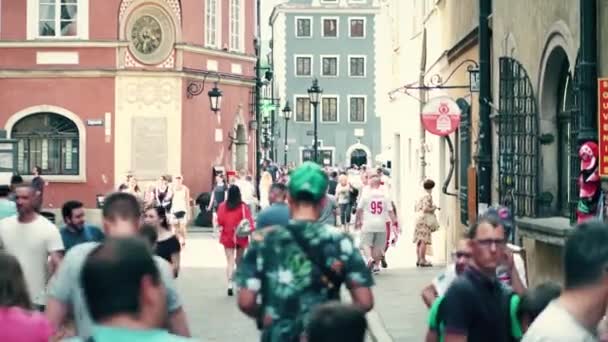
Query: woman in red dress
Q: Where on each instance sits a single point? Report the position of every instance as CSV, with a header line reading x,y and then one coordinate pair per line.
x,y
229,214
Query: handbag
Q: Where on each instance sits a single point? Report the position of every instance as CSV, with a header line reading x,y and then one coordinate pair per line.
x,y
243,229
431,221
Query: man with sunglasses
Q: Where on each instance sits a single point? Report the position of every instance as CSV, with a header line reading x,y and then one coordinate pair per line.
x,y
461,257
474,307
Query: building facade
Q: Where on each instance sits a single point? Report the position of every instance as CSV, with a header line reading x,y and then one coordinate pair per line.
x,y
335,42
92,90
536,113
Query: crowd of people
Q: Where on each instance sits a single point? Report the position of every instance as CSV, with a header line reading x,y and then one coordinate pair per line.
x,y
288,253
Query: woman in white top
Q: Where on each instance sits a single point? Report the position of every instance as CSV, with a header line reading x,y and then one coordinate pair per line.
x,y
180,209
265,184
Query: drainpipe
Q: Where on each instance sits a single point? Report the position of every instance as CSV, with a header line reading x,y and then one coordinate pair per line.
x,y
484,163
422,97
258,86
588,72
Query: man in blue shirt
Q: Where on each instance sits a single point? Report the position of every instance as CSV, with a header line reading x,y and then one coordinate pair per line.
x,y
76,231
278,212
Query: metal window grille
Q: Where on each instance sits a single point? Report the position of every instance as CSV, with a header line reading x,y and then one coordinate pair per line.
x,y
574,129
517,139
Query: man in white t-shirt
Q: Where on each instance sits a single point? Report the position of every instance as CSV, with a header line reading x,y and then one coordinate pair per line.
x,y
373,211
31,238
575,315
245,184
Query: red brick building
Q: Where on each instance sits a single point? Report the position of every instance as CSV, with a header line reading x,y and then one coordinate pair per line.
x,y
93,89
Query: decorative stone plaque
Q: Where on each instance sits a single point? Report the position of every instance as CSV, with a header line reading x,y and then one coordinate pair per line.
x,y
150,146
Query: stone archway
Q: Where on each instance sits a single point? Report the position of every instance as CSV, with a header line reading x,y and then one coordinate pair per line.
x,y
555,88
360,152
358,157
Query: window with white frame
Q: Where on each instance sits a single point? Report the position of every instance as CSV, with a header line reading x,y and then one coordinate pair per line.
x,y
303,27
236,25
357,27
330,27
302,109
356,66
303,66
329,66
212,23
58,18
329,109
357,109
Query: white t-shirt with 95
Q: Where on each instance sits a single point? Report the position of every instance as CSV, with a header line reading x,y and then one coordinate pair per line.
x,y
375,205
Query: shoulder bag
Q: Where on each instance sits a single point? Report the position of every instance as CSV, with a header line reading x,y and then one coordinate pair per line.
x,y
243,229
334,280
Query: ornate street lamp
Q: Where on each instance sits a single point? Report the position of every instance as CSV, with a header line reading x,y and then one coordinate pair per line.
x,y
287,117
314,93
215,98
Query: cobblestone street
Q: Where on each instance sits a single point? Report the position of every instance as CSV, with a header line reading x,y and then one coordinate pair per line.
x,y
399,313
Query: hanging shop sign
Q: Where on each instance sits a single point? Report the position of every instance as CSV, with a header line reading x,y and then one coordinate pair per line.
x,y
441,116
602,126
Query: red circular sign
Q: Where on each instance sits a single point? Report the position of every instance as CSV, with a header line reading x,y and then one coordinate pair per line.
x,y
441,116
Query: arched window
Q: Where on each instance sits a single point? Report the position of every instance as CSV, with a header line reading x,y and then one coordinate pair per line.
x,y
48,140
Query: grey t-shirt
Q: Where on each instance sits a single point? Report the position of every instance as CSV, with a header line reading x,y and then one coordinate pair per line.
x,y
328,215
66,288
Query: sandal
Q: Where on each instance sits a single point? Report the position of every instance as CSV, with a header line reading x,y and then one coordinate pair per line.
x,y
426,264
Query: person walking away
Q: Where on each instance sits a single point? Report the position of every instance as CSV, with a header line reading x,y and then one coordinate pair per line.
x,y
17,321
264,187
334,321
329,213
230,214
278,212
575,315
474,307
426,223
7,207
296,268
121,218
180,209
38,183
373,210
136,313
219,193
440,284
245,184
167,244
333,183
163,196
76,231
343,190
32,239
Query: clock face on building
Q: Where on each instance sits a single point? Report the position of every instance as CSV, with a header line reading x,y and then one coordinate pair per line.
x,y
151,34
146,35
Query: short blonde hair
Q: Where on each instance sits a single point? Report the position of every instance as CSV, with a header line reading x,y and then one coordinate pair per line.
x,y
343,179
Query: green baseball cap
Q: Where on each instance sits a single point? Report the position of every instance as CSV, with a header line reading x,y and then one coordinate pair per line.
x,y
308,179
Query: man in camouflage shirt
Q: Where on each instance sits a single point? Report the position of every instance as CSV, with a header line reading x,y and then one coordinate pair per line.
x,y
295,268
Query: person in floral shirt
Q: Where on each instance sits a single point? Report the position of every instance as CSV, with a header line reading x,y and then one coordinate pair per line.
x,y
297,267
